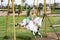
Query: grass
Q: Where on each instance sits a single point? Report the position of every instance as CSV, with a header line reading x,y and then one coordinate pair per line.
x,y
23,34
56,11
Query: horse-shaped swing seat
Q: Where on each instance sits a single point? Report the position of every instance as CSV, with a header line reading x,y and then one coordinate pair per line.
x,y
32,25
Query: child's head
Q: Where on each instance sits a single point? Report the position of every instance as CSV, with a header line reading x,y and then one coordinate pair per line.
x,y
32,13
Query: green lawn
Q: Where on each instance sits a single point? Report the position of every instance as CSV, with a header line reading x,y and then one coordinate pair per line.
x,y
23,34
56,11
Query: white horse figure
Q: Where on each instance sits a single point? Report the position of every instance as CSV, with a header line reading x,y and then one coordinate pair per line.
x,y
38,22
32,25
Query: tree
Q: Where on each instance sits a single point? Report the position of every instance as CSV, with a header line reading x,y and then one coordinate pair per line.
x,y
55,5
26,5
19,10
40,7
15,6
1,3
28,12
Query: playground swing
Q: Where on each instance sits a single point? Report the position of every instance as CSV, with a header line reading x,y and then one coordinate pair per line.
x,y
20,14
6,36
30,29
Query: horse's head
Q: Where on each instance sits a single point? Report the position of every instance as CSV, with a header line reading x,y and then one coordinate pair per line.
x,y
23,23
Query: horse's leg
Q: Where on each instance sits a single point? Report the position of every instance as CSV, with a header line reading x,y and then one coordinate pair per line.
x,y
17,24
34,35
39,34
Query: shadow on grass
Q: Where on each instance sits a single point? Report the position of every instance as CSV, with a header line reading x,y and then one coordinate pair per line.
x,y
24,37
2,38
18,38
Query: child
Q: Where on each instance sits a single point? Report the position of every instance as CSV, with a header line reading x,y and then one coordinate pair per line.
x,y
29,23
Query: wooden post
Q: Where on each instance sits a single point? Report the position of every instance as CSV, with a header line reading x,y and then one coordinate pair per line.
x,y
7,18
37,8
45,17
50,14
13,19
21,7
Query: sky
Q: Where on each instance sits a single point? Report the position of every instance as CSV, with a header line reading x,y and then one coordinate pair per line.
x,y
29,2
